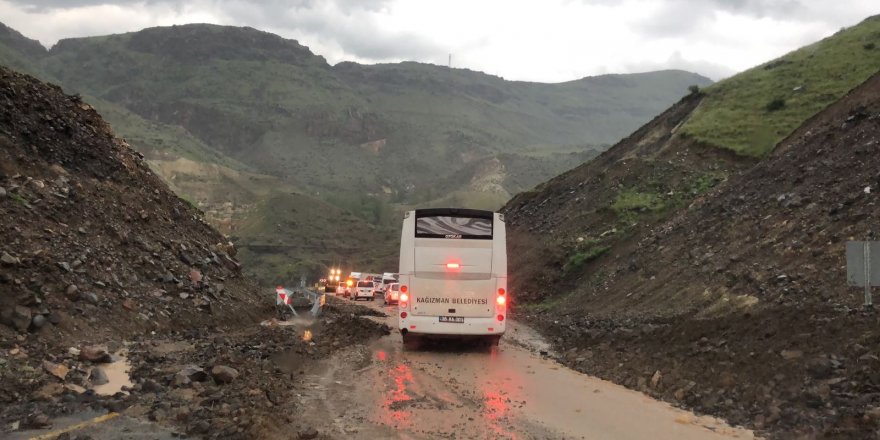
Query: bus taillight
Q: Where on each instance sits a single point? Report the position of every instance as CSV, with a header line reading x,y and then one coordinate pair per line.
x,y
403,299
501,300
453,266
501,291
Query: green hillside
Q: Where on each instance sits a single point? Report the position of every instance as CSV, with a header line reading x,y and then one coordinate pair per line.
x,y
753,110
271,104
219,111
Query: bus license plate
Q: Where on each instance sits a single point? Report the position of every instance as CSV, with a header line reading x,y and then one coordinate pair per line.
x,y
457,319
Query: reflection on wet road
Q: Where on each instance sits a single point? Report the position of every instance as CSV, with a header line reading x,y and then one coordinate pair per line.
x,y
453,391
394,405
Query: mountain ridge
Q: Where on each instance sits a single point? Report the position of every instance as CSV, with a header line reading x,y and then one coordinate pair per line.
x,y
223,95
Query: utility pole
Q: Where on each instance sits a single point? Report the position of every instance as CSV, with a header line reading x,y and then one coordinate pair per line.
x,y
450,61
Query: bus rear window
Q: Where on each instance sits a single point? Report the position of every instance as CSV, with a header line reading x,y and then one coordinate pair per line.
x,y
454,227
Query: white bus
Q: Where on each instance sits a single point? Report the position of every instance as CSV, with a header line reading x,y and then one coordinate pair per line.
x,y
453,275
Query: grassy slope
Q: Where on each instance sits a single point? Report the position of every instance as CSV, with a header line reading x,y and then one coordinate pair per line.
x,y
735,113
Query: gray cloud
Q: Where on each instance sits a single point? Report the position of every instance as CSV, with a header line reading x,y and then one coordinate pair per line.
x,y
680,18
49,5
349,23
369,31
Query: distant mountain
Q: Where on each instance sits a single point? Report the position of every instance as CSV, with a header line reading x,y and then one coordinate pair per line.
x,y
18,51
271,104
252,105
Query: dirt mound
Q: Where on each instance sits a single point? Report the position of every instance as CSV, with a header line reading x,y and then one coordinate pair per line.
x,y
258,398
94,246
738,306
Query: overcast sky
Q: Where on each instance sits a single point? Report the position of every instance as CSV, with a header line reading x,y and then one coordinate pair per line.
x,y
539,40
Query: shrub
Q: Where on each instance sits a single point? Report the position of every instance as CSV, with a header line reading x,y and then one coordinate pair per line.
x,y
577,260
17,198
776,104
637,201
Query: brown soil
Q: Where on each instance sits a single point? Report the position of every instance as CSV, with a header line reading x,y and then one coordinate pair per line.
x,y
737,303
574,212
97,251
271,361
95,247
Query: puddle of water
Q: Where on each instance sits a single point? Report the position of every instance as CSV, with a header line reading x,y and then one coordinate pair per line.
x,y
118,375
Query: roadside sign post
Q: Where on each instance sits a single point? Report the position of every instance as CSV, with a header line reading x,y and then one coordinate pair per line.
x,y
285,297
861,269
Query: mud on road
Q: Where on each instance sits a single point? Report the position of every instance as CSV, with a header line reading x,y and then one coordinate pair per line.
x,y
240,384
455,391
347,375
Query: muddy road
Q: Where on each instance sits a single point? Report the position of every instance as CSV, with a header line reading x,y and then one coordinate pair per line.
x,y
447,390
344,375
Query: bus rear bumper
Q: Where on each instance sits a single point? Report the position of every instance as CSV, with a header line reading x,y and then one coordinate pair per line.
x,y
431,326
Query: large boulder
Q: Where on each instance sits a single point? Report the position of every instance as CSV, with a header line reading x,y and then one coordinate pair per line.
x,y
224,374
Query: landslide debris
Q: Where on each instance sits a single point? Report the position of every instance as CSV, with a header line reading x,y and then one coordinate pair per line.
x,y
560,232
738,305
94,248
243,384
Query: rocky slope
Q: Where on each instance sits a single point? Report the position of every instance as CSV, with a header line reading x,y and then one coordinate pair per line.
x,y
738,304
561,231
94,246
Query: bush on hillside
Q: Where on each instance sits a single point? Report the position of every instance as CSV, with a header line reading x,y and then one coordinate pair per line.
x,y
776,104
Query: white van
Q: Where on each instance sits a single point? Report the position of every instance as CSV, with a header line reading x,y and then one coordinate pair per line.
x,y
363,289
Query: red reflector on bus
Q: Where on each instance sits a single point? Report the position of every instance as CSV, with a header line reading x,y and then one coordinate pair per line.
x,y
491,329
501,300
403,315
452,265
500,317
412,327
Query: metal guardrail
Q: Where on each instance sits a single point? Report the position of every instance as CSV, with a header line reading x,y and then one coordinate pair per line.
x,y
285,297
